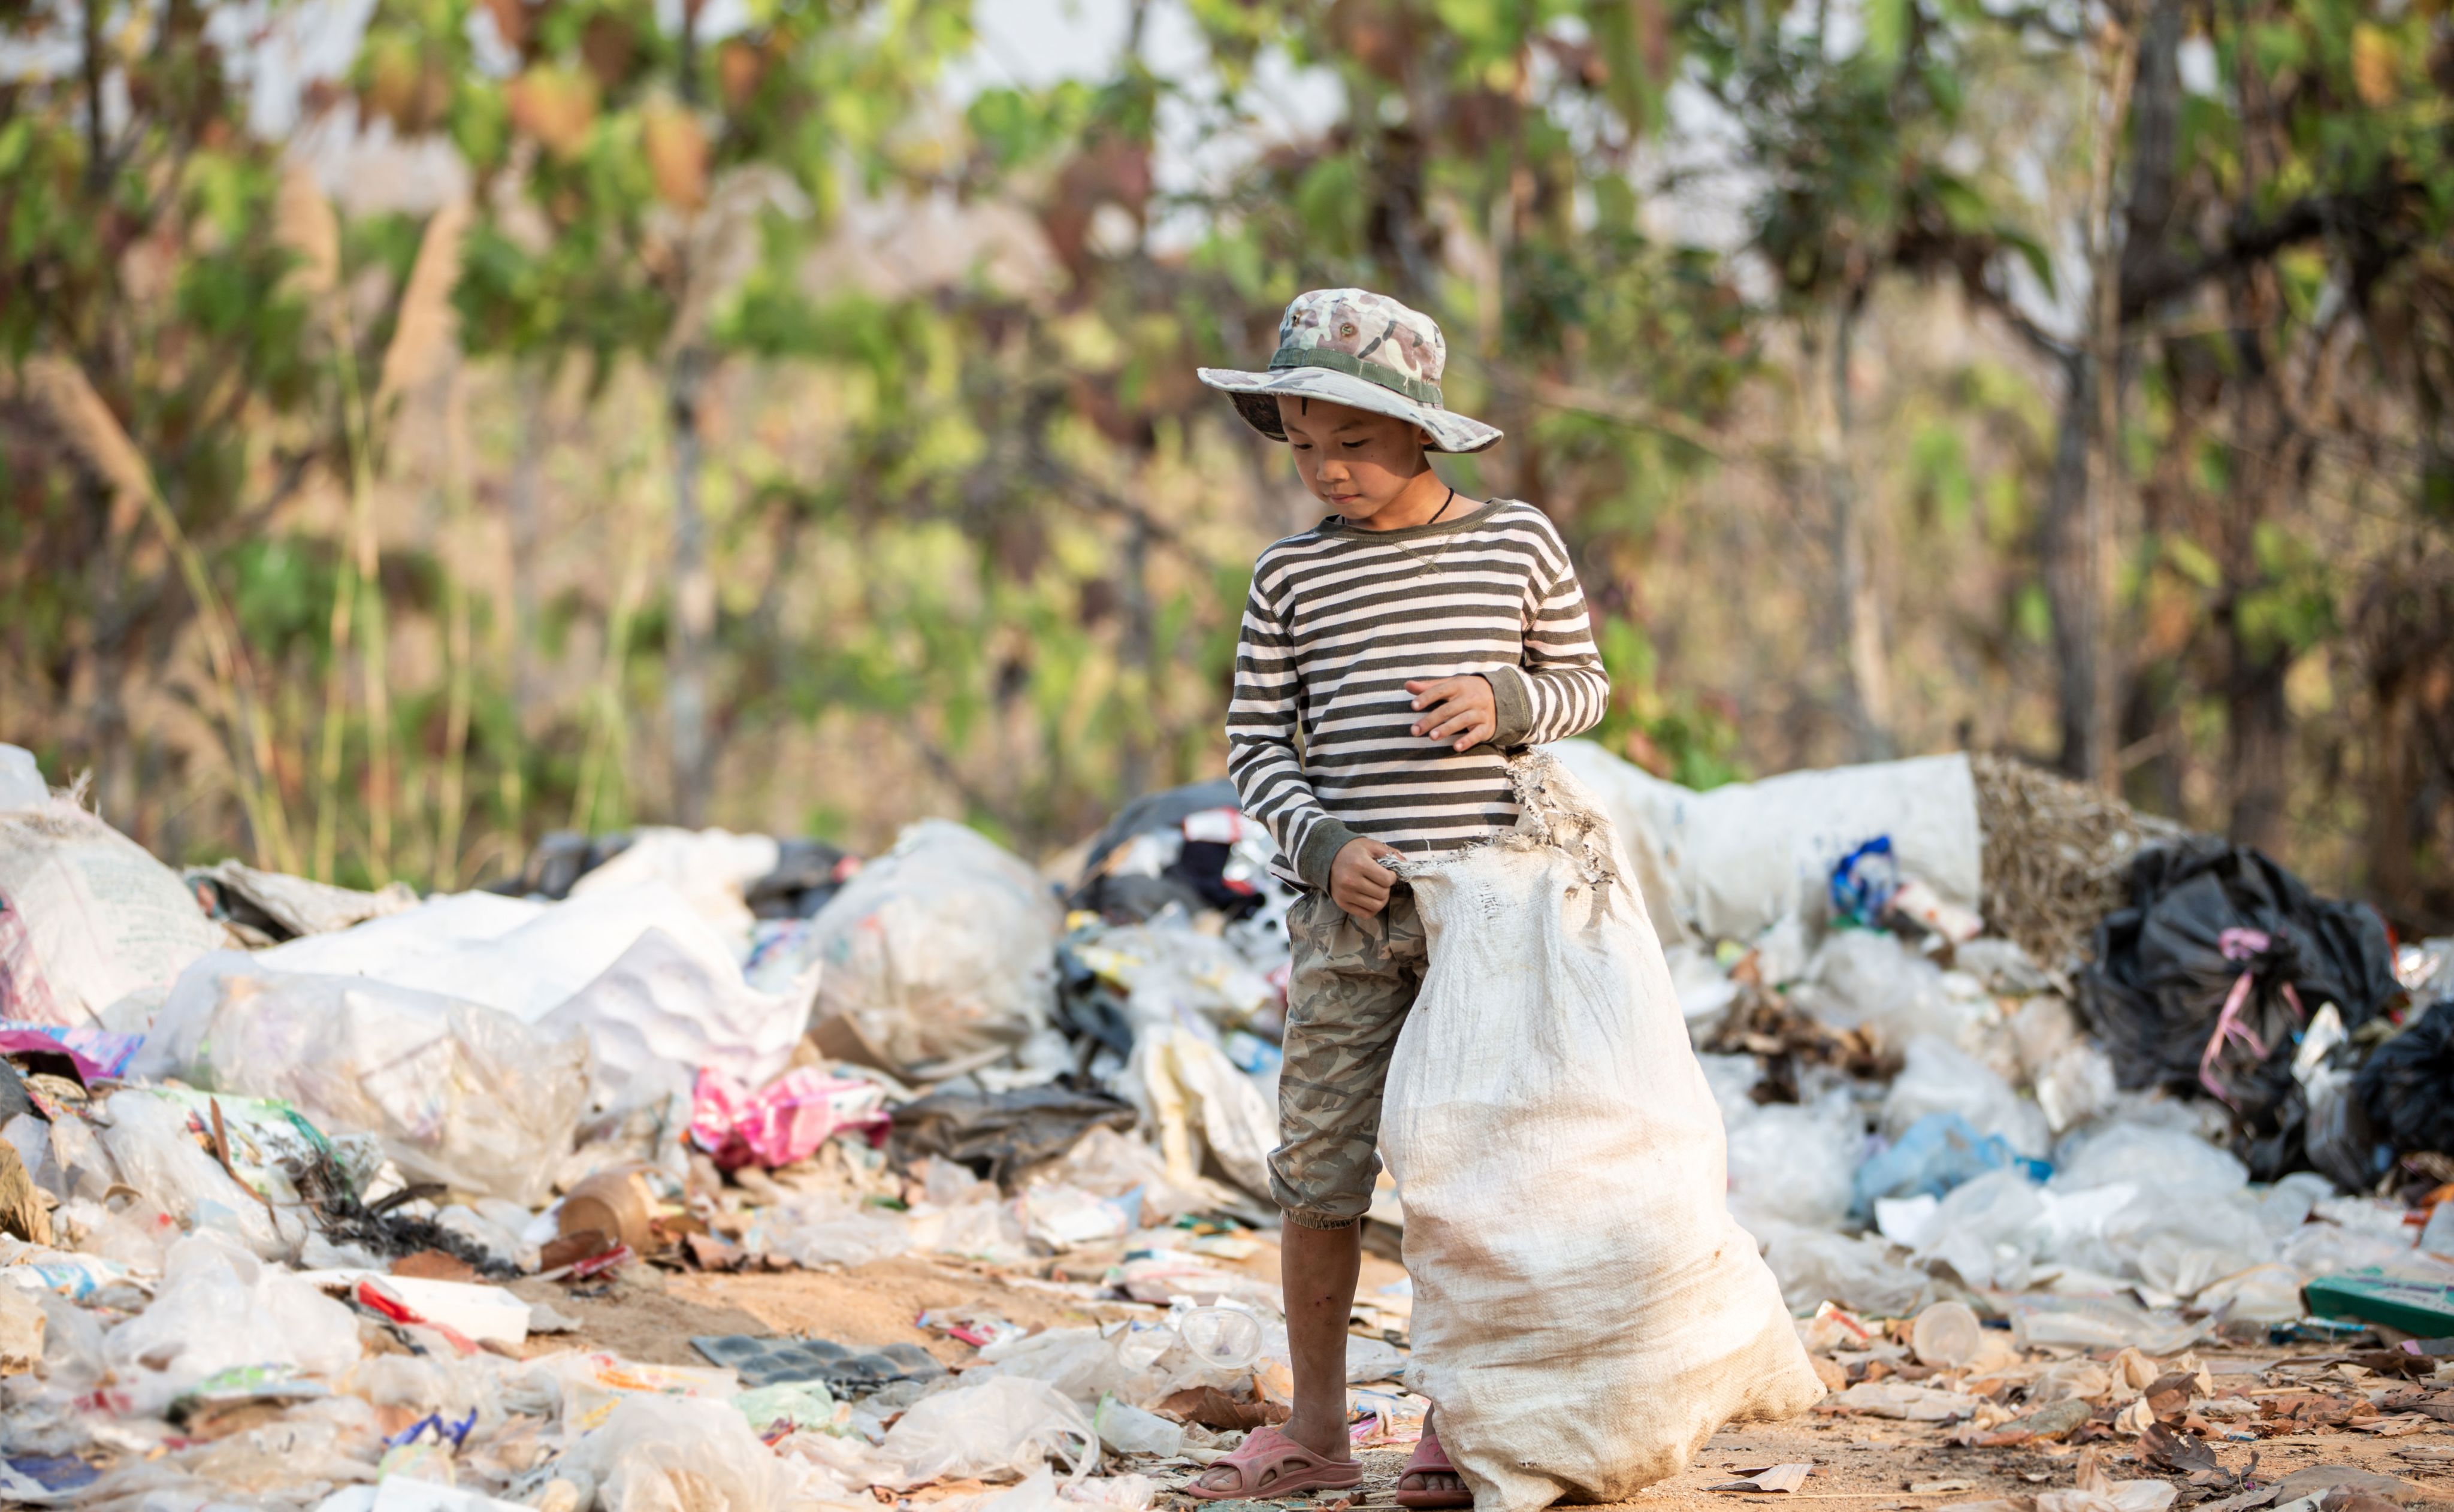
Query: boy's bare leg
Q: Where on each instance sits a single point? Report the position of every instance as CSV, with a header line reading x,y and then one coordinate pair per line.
x,y
1318,1269
1316,1272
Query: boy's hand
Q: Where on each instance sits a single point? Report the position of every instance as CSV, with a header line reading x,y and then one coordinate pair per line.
x,y
1458,710
1358,883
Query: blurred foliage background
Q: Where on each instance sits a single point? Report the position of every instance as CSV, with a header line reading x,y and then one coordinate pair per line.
x,y
580,413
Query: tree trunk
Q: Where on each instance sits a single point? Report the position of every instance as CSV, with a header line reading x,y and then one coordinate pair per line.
x,y
692,627
2257,726
1868,695
2069,575
1140,656
522,523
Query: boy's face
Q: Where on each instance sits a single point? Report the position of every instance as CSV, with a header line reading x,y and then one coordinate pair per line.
x,y
1352,460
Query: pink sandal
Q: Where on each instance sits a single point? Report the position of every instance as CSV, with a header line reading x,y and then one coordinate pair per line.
x,y
1268,1464
1430,1459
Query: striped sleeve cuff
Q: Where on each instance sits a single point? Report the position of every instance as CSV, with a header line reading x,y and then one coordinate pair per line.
x,y
1512,704
1318,852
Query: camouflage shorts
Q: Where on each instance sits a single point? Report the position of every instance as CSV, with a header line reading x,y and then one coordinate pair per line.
x,y
1347,997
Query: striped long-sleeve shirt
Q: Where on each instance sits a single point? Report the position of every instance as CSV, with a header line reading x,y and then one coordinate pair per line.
x,y
1319,736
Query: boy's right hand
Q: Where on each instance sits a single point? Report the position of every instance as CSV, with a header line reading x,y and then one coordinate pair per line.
x,y
1358,883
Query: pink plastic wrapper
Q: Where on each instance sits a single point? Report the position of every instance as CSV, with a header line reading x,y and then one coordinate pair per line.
x,y
794,1114
97,1056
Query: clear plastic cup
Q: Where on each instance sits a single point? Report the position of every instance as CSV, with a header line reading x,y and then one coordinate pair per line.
x,y
1221,1337
1946,1336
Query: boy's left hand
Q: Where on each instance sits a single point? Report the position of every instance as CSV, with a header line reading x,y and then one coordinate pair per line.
x,y
1460,711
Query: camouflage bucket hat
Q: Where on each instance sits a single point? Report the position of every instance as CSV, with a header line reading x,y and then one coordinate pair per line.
x,y
1354,347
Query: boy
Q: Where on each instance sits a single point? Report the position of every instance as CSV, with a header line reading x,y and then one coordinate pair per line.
x,y
1389,656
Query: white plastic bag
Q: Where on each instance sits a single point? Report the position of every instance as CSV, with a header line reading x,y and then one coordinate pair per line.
x,y
661,1454
940,956
1792,1163
665,1011
1939,1078
87,917
457,1093
1586,1312
219,1307
1193,1093
523,958
1005,1426
1862,980
1741,857
149,1140
712,869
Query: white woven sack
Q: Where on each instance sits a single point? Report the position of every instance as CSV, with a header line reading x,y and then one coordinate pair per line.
x,y
1586,1313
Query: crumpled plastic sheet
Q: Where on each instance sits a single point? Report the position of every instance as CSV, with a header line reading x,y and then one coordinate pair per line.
x,y
783,1121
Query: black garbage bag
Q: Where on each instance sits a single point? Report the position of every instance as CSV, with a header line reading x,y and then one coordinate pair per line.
x,y
1194,877
1002,1135
2407,1088
2165,991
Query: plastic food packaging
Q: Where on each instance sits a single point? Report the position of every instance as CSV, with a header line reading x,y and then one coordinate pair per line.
x,y
1946,1336
940,956
457,1093
1007,1424
1546,1073
784,1121
87,917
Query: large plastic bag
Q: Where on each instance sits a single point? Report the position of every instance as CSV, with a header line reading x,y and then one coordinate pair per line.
x,y
457,1093
219,1307
1792,1162
1586,1312
2204,982
1005,1426
940,956
1741,857
151,1140
712,869
1194,1096
525,959
1939,1078
660,1454
670,1007
1862,980
1814,1266
87,917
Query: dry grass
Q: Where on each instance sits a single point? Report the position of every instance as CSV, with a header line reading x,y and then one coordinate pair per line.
x,y
2058,854
60,388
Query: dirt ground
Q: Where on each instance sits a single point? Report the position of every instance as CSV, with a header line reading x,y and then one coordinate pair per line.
x,y
1874,1465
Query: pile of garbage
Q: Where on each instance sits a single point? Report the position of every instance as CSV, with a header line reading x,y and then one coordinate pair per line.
x,y
274,1151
